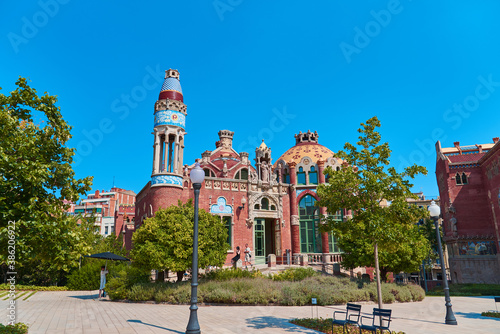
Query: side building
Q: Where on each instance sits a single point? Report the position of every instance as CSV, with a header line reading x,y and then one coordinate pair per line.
x,y
113,209
469,183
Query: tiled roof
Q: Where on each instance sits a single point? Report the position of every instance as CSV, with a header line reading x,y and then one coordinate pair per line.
x,y
171,84
465,157
312,150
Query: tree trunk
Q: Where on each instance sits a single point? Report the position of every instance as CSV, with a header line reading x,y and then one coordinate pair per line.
x,y
377,273
383,274
160,278
180,275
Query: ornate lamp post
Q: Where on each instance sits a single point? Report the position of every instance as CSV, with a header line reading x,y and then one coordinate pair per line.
x,y
435,211
197,176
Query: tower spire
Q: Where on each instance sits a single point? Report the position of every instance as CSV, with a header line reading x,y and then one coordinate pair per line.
x,y
169,130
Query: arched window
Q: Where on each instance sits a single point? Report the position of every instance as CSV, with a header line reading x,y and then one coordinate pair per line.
x,y
256,206
273,208
458,179
209,172
310,236
313,176
242,174
301,176
286,176
333,246
229,227
464,178
265,204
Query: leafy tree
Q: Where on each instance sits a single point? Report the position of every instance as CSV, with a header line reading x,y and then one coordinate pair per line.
x,y
365,185
36,178
407,257
165,241
428,229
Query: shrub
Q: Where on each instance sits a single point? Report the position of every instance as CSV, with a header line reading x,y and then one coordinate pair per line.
x,y
231,273
294,274
122,281
401,293
324,325
387,296
263,291
417,293
142,292
18,328
491,314
85,278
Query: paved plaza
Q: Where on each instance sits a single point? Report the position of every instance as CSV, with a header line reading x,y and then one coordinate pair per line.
x,y
79,312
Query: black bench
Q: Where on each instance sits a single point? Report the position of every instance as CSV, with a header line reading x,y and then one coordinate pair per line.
x,y
351,316
382,317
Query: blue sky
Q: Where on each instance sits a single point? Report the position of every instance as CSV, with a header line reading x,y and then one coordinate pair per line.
x,y
265,70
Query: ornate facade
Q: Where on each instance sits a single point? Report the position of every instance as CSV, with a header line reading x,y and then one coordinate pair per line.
x,y
270,206
469,187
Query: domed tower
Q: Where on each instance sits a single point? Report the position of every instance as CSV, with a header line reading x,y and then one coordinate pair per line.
x,y
169,131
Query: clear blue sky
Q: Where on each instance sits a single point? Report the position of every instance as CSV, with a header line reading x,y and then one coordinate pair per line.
x,y
429,70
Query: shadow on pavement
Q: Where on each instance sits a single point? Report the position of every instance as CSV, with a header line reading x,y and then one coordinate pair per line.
x,y
86,296
273,322
145,323
472,315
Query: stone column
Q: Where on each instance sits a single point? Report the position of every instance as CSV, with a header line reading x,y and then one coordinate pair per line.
x,y
161,160
294,215
324,236
156,154
176,154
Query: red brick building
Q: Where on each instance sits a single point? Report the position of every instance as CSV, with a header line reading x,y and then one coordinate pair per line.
x,y
111,208
270,206
469,183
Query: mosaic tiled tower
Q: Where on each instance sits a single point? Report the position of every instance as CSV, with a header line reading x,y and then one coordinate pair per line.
x,y
169,123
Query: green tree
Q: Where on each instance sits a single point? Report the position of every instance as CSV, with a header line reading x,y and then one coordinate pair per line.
x,y
407,257
375,193
165,241
36,180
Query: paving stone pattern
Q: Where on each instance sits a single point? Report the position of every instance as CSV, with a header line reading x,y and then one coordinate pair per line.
x,y
81,312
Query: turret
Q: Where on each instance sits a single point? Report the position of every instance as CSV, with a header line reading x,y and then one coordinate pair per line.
x,y
169,131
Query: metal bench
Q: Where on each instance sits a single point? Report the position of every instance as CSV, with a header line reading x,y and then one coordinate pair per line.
x,y
382,316
352,314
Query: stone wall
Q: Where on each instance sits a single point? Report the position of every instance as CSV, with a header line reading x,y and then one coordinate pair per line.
x,y
484,269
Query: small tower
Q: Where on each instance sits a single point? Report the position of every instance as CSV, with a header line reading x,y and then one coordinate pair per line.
x,y
225,139
306,137
169,131
263,162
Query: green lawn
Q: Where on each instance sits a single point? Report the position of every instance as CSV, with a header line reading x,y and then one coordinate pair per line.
x,y
458,290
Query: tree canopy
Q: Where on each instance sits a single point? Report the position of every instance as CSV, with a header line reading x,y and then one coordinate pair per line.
x,y
165,241
407,257
36,179
377,197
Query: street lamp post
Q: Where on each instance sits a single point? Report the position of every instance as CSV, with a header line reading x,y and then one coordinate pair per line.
x,y
435,211
197,176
